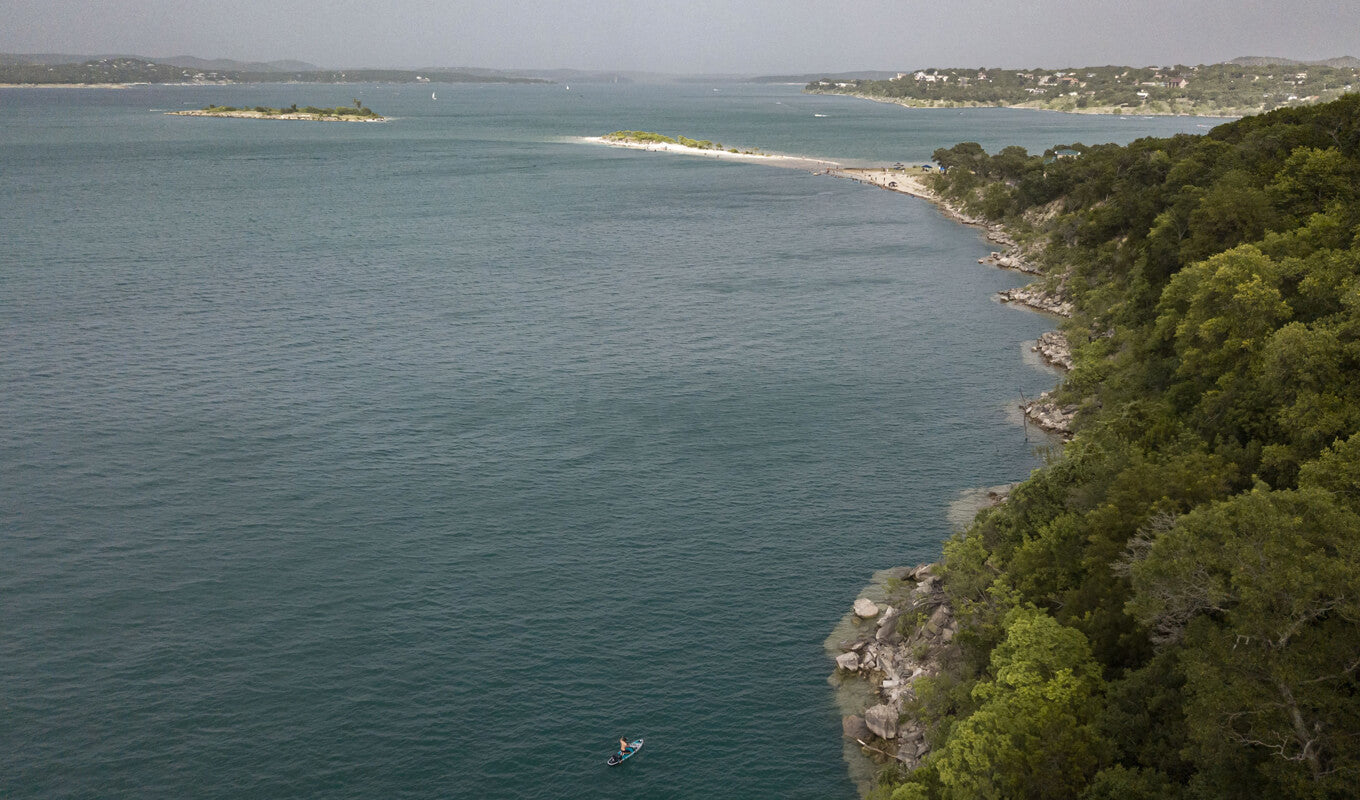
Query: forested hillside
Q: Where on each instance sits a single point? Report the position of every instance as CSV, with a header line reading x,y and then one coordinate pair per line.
x,y
1171,607
1213,89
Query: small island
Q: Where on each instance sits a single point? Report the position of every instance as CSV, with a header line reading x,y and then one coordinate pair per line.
x,y
357,113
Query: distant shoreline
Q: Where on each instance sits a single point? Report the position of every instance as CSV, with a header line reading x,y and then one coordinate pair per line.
x,y
297,116
1107,111
67,85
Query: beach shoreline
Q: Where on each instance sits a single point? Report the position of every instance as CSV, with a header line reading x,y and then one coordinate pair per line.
x,y
771,159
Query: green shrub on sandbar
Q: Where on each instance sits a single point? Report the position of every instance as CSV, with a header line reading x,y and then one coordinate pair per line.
x,y
639,136
648,137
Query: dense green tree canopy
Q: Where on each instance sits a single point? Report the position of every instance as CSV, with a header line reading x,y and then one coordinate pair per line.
x,y
1171,607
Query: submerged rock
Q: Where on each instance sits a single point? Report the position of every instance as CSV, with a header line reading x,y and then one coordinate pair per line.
x,y
854,727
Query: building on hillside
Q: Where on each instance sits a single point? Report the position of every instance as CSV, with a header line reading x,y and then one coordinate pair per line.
x,y
1061,153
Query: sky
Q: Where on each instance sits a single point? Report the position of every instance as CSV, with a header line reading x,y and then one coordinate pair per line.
x,y
751,37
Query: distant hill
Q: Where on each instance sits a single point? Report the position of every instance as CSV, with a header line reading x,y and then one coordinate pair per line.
x,y
862,75
62,70
190,62
1343,62
228,65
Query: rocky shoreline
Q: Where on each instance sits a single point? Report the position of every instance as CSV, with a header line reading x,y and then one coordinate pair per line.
x,y
1052,346
911,636
896,645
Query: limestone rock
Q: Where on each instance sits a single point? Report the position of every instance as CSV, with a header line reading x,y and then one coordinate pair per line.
x,y
1036,297
866,608
887,626
1049,415
1054,349
938,620
882,720
848,661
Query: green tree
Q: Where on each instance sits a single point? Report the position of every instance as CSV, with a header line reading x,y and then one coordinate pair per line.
x,y
1259,594
1033,734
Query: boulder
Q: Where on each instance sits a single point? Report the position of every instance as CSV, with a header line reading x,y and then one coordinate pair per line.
x,y
911,732
848,661
887,626
882,720
865,608
854,727
901,573
938,620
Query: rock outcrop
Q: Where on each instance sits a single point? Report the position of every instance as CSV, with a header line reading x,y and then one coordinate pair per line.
x,y
1013,258
1054,349
1050,415
891,656
1038,298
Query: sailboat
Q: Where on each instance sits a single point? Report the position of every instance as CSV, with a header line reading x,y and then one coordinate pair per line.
x,y
432,97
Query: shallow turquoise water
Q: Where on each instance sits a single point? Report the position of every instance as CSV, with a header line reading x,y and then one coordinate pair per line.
x,y
426,459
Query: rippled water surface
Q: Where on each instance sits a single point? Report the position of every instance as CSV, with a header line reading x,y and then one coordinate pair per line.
x,y
426,459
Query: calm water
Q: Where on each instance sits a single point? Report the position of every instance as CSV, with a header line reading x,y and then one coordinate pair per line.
x,y
427,459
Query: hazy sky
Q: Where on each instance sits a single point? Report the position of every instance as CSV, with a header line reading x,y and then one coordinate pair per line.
x,y
691,36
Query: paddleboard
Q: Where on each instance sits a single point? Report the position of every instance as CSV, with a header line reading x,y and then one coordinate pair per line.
x,y
622,756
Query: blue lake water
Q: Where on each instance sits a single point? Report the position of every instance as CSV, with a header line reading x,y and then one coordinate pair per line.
x,y
426,459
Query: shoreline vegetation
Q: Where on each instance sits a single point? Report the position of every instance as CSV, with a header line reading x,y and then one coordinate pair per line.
x,y
1168,605
355,113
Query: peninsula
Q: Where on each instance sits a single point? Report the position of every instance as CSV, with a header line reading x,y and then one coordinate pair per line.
x,y
358,113
656,142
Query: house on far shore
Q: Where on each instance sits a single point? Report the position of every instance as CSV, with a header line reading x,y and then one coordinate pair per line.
x,y
1060,153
